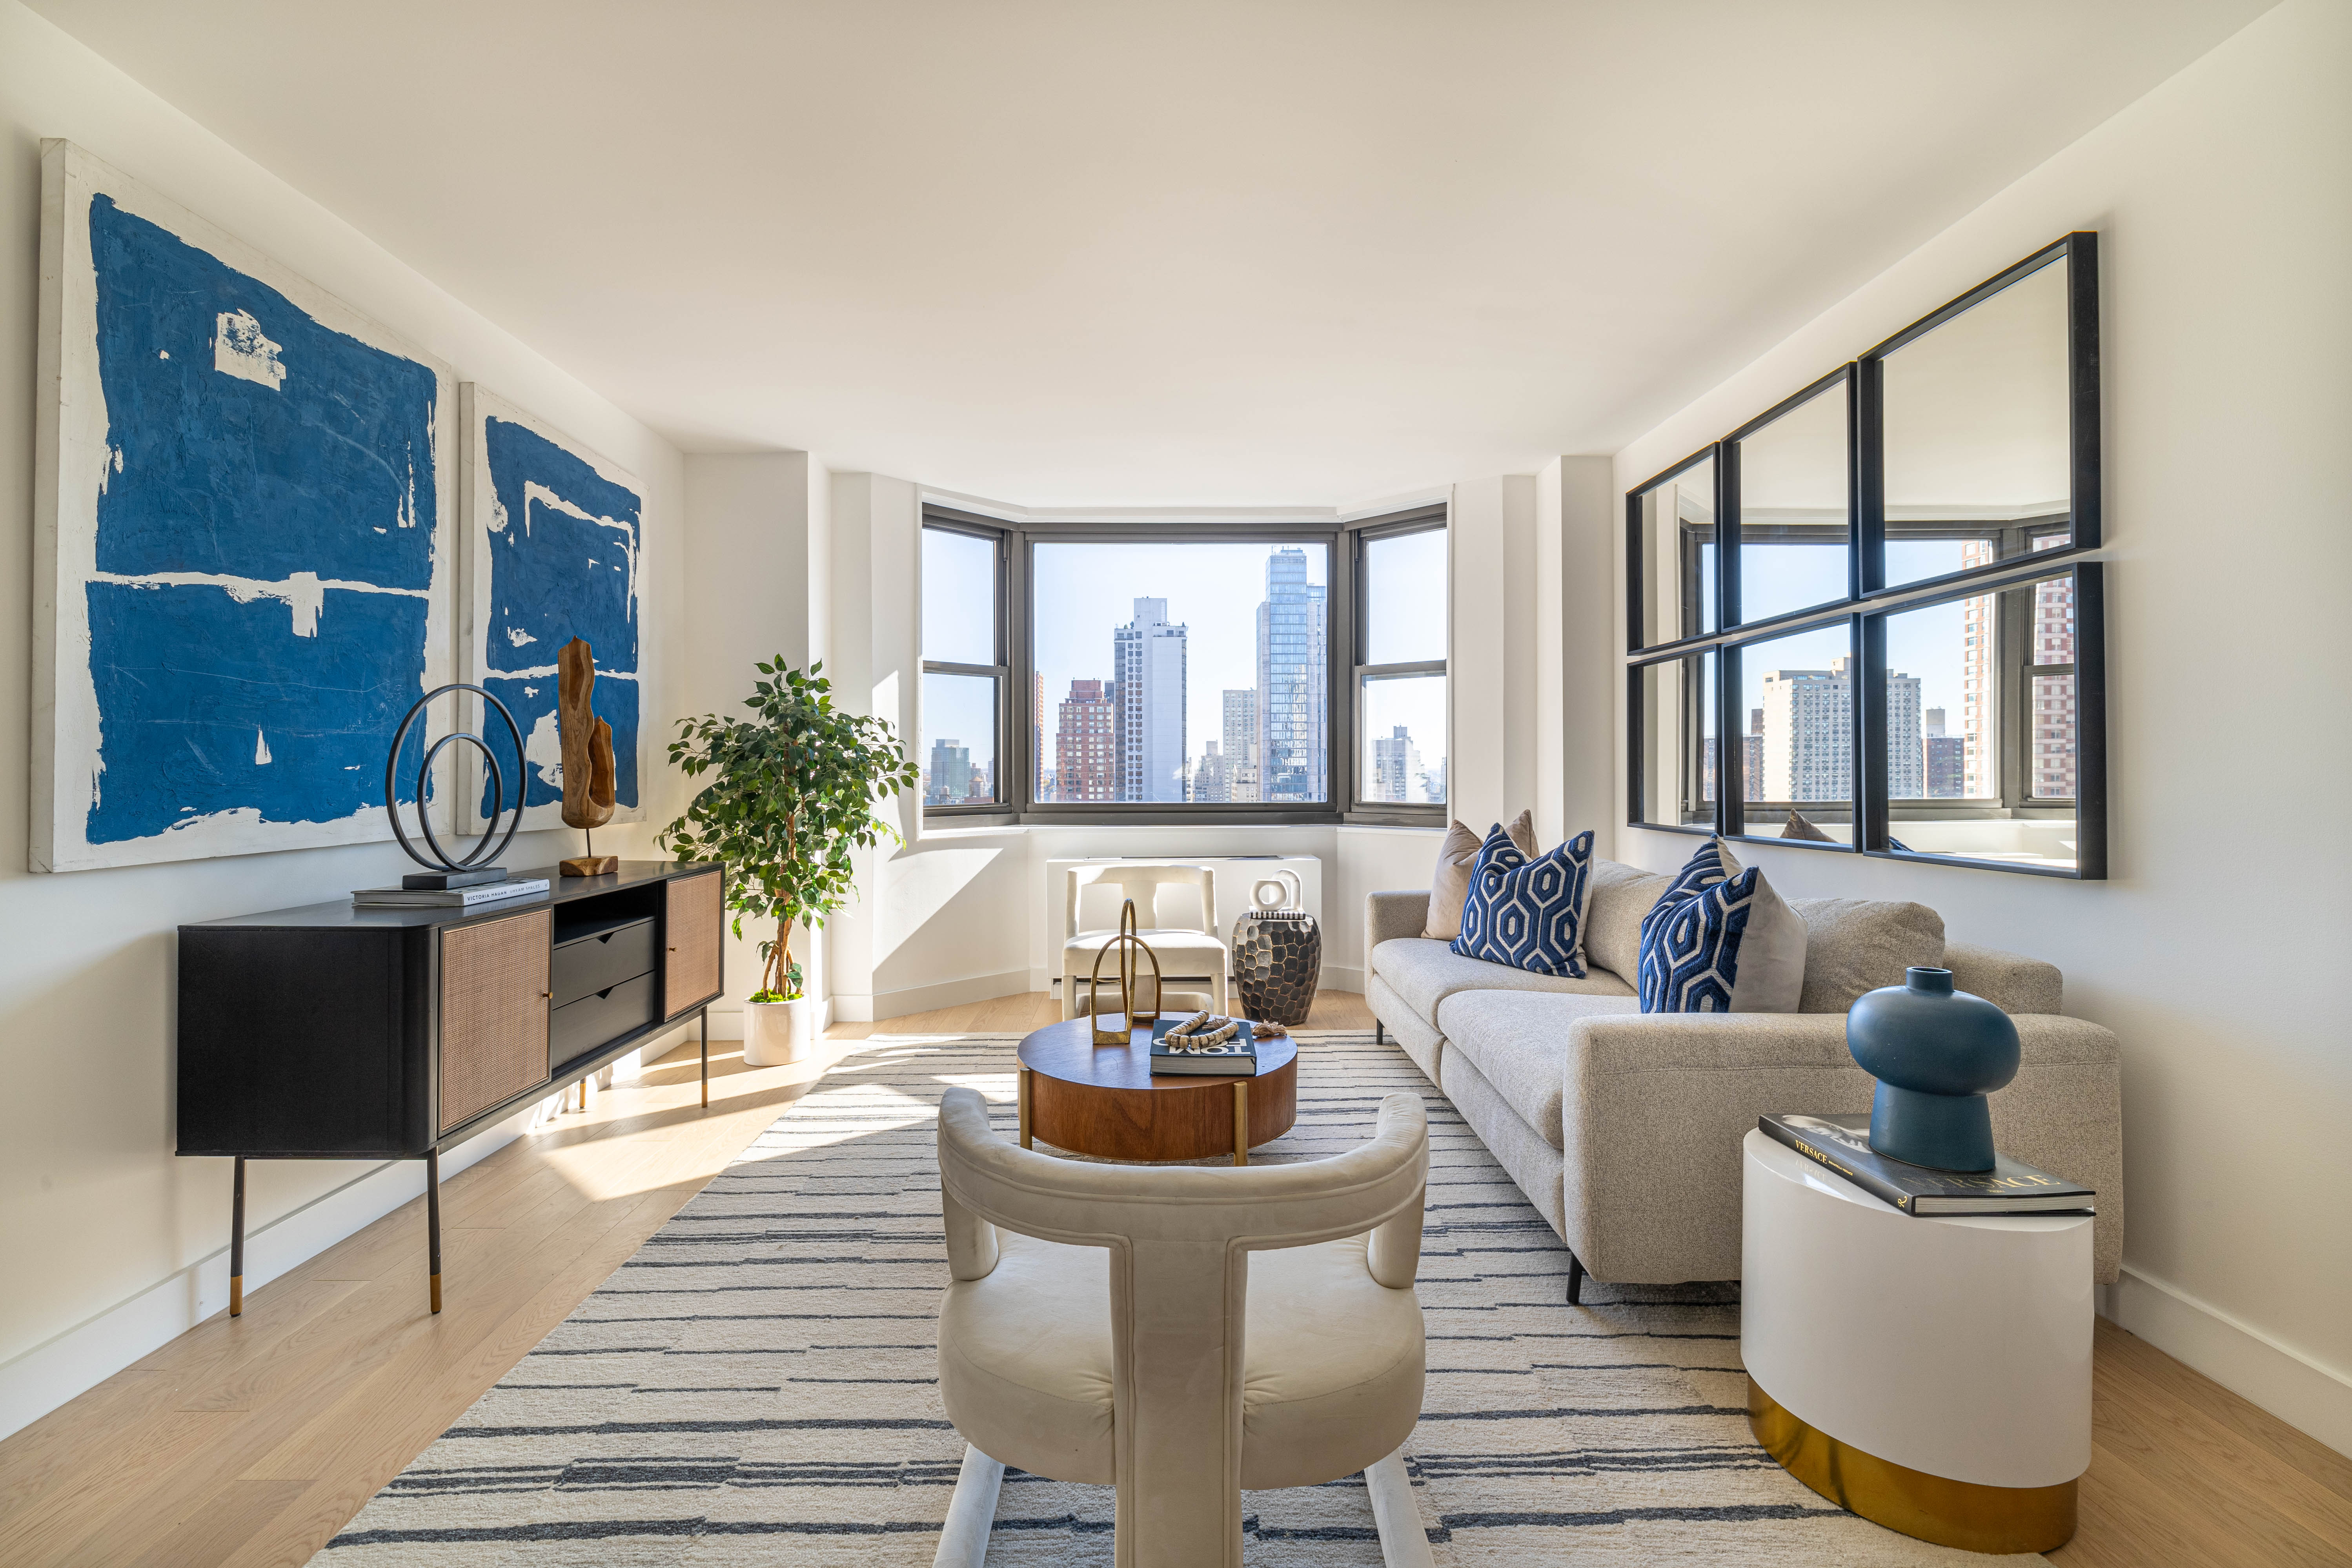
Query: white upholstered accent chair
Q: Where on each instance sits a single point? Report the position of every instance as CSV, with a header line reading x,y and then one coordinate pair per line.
x,y
1184,951
1181,1333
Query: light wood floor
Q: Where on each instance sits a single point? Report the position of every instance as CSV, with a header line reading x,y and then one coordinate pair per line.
x,y
251,1442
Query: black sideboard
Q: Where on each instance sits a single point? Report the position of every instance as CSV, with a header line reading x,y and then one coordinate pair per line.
x,y
335,1032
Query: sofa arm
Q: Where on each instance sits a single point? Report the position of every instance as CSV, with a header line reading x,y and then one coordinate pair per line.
x,y
2009,981
1655,1106
1388,916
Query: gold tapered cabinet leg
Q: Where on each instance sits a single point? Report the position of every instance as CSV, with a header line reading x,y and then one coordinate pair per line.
x,y
1241,1121
236,1242
1021,1098
437,1292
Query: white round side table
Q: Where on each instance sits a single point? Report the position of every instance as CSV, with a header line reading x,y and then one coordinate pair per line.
x,y
1931,1374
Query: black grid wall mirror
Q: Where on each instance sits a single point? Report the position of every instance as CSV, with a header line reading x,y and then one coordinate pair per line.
x,y
1863,622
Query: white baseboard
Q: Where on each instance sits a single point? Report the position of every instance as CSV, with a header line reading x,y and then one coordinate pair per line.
x,y
882,1005
51,1373
1344,976
2303,1393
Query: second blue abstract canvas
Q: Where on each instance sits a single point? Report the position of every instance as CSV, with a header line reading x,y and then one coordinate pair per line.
x,y
554,536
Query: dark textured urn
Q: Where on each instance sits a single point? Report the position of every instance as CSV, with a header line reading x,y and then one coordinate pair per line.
x,y
1936,1053
1277,964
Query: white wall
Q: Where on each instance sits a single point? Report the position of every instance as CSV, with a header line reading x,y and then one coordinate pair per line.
x,y
758,557
113,1243
2217,950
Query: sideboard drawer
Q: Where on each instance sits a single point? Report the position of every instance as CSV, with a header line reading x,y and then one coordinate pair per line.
x,y
587,964
578,1028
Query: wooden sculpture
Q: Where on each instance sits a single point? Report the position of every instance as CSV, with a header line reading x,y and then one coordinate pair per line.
x,y
587,757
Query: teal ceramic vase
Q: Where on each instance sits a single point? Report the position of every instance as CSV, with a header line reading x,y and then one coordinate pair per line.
x,y
1936,1053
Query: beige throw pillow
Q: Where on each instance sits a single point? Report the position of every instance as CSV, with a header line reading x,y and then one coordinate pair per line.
x,y
1449,885
1853,945
1612,932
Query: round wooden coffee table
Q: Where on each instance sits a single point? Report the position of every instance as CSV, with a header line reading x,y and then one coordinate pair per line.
x,y
1103,1100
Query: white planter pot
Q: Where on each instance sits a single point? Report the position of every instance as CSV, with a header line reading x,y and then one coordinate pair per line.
x,y
776,1034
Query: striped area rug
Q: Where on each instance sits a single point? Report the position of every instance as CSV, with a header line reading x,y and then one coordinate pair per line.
x,y
756,1385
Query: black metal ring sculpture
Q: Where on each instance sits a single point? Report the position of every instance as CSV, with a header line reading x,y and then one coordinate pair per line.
x,y
482,854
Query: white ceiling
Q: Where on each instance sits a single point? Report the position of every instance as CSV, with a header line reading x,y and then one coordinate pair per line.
x,y
1200,253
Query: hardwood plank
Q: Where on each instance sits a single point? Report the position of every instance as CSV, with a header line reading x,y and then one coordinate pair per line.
x,y
2306,1454
222,1527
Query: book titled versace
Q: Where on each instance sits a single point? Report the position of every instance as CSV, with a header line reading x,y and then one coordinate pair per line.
x,y
1842,1143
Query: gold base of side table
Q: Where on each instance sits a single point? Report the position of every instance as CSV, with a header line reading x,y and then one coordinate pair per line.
x,y
1962,1514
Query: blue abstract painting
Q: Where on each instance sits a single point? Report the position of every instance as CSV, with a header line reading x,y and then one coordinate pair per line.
x,y
245,543
556,534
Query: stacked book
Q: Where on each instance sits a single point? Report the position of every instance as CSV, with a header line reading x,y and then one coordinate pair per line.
x,y
1842,1143
1205,1044
467,897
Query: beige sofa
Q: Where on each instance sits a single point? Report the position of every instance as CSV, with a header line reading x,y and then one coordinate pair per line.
x,y
1624,1128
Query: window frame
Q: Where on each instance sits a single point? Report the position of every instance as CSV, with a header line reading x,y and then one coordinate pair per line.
x,y
1391,813
1870,601
1001,671
1018,710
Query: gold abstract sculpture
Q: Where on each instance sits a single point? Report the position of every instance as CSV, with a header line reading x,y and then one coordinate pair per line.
x,y
1127,944
587,757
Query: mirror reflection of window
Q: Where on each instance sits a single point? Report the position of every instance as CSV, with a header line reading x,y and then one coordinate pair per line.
x,y
1990,771
1676,698
1674,523
1977,436
1797,699
1794,487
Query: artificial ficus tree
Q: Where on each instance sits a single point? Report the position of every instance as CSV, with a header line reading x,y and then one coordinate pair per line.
x,y
793,793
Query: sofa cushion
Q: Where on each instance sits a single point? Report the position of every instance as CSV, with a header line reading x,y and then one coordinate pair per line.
x,y
1425,972
1525,911
1853,945
1719,940
1449,884
1519,1042
1620,896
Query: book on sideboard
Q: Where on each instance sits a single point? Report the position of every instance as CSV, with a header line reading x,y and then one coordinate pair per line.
x,y
1841,1145
467,898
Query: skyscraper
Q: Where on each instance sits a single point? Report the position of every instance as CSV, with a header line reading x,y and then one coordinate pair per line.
x,y
1148,658
1241,743
2051,765
949,782
1945,758
1809,734
1751,757
1396,763
1209,781
1293,682
1906,757
1435,786
1980,749
1084,761
1037,735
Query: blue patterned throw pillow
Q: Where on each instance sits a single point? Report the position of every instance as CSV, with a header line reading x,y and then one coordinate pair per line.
x,y
1527,912
1719,940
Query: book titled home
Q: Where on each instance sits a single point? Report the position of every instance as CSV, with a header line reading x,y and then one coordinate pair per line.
x,y
1843,1144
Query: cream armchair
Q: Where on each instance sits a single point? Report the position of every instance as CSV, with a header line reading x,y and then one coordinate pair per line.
x,y
1180,1334
1186,954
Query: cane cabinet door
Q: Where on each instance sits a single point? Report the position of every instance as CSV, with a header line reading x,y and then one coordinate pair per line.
x,y
691,924
494,1000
